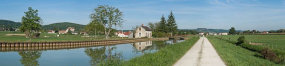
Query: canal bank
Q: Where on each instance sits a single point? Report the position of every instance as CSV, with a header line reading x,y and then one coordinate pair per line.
x,y
69,44
84,56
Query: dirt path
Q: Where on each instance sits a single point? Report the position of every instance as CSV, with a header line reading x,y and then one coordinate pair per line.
x,y
201,54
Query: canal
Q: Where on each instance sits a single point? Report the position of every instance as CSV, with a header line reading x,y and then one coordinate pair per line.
x,y
80,56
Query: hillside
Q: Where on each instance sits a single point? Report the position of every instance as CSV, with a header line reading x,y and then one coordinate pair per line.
x,y
63,26
9,23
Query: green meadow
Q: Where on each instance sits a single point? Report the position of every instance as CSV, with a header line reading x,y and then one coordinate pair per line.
x,y
276,42
234,55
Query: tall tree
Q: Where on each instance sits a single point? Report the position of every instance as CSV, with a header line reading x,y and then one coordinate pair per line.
x,y
162,25
232,31
108,16
31,23
171,24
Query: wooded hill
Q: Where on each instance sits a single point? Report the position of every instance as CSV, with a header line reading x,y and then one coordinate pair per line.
x,y
8,23
63,26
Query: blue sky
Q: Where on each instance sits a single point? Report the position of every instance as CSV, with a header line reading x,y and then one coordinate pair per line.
x,y
190,14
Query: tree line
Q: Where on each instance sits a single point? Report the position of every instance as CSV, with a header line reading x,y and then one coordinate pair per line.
x,y
249,32
164,27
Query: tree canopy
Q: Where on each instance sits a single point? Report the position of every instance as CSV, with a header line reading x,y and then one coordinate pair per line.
x,y
108,16
31,22
94,27
232,31
171,24
162,25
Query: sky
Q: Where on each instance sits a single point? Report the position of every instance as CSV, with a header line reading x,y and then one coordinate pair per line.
x,y
189,14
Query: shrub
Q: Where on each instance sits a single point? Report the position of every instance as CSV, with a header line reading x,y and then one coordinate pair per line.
x,y
270,55
241,40
36,35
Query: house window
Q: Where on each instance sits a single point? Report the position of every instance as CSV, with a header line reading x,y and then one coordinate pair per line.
x,y
140,43
140,29
140,34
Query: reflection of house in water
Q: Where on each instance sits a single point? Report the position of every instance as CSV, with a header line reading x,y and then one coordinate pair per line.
x,y
141,46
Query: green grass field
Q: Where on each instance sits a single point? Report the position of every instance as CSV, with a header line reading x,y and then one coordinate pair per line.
x,y
51,38
271,41
234,55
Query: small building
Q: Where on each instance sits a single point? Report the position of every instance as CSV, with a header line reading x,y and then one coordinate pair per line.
x,y
143,31
62,32
264,32
51,31
212,33
223,34
84,33
201,33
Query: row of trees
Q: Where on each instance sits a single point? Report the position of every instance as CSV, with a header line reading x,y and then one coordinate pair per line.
x,y
234,32
104,17
164,28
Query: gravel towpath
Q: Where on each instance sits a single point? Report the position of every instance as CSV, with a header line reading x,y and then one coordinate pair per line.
x,y
201,54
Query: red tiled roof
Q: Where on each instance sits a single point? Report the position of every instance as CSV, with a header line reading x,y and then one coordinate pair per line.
x,y
61,31
146,28
127,33
50,30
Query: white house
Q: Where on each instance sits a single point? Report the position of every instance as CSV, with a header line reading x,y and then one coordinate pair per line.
x,y
143,31
51,31
201,33
223,34
72,29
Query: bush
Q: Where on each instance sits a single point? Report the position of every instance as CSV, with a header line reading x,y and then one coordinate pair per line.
x,y
36,35
269,55
241,40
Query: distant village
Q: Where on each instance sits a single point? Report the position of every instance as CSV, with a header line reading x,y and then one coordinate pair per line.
x,y
139,32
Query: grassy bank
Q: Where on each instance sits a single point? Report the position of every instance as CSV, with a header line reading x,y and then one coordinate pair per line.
x,y
234,55
164,57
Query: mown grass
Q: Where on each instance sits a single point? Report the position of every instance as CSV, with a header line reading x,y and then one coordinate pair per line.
x,y
234,55
164,57
276,42
51,38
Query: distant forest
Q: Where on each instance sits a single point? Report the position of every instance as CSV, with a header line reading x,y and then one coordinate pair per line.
x,y
9,25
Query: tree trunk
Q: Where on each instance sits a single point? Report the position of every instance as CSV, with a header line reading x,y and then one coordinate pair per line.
x,y
106,37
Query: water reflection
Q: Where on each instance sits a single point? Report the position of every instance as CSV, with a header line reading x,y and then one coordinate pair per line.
x,y
96,54
141,46
30,58
101,55
88,56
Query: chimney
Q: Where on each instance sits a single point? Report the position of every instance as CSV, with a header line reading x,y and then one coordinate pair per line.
x,y
142,24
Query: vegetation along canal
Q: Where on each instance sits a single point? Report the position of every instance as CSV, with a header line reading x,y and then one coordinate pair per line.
x,y
81,56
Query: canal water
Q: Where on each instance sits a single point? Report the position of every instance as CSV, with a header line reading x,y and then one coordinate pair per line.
x,y
86,56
